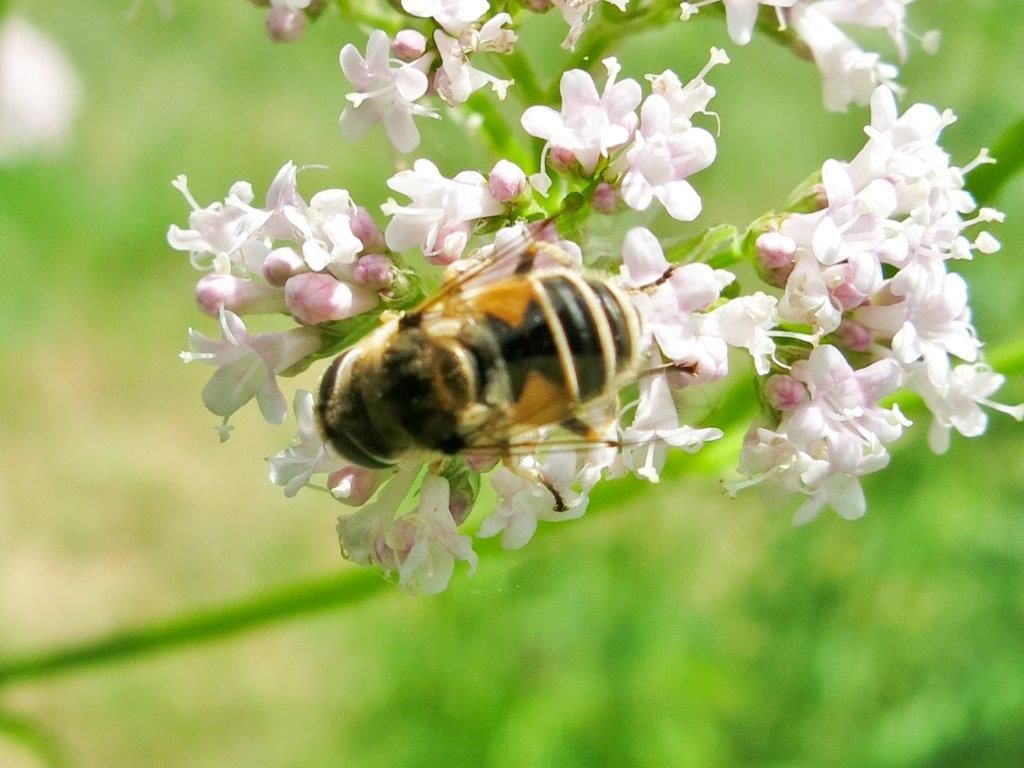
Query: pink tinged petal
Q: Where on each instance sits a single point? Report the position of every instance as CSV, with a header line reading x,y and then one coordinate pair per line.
x,y
215,292
271,401
826,242
578,90
846,496
353,65
879,379
315,298
356,121
906,344
938,437
234,384
401,130
741,16
411,83
837,182
643,257
378,52
680,199
542,122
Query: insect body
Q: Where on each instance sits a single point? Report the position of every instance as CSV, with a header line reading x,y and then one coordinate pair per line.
x,y
480,365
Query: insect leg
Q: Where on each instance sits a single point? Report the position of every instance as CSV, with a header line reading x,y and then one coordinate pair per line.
x,y
534,475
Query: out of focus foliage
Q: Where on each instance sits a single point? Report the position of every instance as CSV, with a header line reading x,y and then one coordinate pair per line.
x,y
677,627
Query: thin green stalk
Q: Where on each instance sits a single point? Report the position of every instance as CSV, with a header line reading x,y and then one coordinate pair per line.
x,y
527,88
985,181
31,736
351,587
346,588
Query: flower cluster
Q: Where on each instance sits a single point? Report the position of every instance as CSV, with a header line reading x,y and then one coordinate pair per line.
x,y
857,301
849,73
646,157
869,272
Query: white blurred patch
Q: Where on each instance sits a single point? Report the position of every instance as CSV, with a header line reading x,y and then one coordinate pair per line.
x,y
39,93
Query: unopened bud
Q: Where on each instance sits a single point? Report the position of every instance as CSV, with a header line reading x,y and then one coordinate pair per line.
x,y
280,265
365,228
285,25
538,6
315,298
374,271
854,336
506,182
605,199
561,158
448,246
238,295
409,45
775,250
784,393
354,486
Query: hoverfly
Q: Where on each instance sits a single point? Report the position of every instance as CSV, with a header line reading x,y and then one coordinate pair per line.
x,y
483,363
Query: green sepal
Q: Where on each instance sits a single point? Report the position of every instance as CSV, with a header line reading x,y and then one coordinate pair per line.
x,y
717,247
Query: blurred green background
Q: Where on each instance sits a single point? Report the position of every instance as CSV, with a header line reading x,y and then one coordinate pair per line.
x,y
674,628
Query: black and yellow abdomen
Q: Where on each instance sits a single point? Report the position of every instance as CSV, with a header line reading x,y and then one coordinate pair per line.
x,y
475,370
564,340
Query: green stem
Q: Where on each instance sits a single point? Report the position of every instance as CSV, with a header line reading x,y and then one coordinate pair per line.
x,y
29,734
527,89
1008,150
495,129
361,14
346,588
350,587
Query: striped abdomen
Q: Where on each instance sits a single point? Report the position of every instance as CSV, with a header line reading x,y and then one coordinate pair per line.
x,y
564,340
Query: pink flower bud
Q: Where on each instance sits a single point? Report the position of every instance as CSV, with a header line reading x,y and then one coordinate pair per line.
x,y
285,25
243,297
784,393
506,182
374,271
282,264
538,6
459,505
409,45
365,228
315,298
450,243
355,485
775,250
847,297
854,336
481,462
605,199
561,158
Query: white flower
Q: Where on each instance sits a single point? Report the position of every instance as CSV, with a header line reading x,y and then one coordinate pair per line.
x,y
325,229
384,93
576,13
740,15
420,546
823,445
661,158
453,15
669,304
441,211
656,427
522,501
849,74
222,236
39,92
746,322
590,124
457,79
247,365
956,404
307,456
925,312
